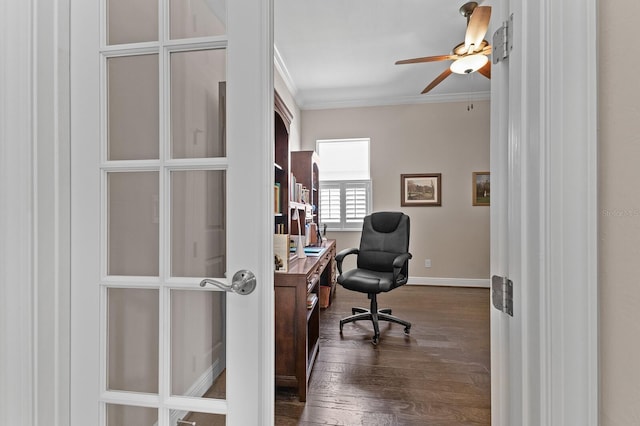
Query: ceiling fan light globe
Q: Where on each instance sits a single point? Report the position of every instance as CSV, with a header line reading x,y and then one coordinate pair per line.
x,y
469,64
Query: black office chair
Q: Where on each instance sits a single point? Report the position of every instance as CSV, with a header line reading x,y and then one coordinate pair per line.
x,y
382,265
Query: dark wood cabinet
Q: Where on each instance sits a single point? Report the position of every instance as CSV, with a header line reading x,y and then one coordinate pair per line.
x,y
306,168
297,322
297,291
282,123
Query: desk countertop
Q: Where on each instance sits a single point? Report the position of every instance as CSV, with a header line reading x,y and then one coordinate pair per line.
x,y
302,266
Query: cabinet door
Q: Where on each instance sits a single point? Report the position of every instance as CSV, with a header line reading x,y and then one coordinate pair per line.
x,y
305,167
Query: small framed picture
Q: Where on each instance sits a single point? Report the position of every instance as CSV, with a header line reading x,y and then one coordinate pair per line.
x,y
481,189
421,189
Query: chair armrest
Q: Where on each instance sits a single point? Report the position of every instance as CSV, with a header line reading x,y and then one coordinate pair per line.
x,y
399,261
398,264
342,254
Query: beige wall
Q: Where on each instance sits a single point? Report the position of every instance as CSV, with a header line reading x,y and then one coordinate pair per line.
x,y
425,138
619,174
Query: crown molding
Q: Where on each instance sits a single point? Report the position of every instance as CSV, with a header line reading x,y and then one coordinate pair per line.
x,y
284,73
304,104
402,100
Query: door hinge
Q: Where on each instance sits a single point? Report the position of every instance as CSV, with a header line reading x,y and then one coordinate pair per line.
x,y
502,294
503,41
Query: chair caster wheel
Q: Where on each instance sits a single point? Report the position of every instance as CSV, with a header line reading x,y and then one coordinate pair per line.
x,y
375,340
406,330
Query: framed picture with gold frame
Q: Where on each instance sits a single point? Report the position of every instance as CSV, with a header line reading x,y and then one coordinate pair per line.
x,y
481,190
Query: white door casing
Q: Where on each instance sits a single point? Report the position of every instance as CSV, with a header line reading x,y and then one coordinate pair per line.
x,y
34,214
544,215
248,165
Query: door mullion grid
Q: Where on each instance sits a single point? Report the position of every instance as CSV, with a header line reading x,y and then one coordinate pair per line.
x,y
167,403
164,402
164,347
164,322
103,346
103,24
106,166
103,249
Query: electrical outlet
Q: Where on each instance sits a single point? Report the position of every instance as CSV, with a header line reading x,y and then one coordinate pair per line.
x,y
427,263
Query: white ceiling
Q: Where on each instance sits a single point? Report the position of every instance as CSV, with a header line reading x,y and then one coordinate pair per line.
x,y
342,52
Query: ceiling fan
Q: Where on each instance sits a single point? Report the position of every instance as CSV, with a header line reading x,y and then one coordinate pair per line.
x,y
470,55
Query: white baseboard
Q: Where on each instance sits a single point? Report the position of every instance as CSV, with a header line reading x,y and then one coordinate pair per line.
x,y
449,282
205,381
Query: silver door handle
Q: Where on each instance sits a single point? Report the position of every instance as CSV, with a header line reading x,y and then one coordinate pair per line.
x,y
243,282
185,422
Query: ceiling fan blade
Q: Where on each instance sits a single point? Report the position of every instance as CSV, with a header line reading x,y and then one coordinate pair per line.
x,y
427,59
486,70
477,28
446,73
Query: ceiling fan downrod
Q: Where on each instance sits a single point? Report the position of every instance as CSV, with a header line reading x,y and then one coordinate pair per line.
x,y
467,9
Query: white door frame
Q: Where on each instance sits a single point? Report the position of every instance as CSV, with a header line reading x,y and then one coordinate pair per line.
x,y
34,212
548,371
561,73
17,262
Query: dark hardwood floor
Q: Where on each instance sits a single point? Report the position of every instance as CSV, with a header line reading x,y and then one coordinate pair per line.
x,y
438,375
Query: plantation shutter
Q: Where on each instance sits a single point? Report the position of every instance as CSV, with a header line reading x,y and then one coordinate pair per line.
x,y
355,202
344,204
330,203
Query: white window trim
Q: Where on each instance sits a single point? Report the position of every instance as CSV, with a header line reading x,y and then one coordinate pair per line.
x,y
343,185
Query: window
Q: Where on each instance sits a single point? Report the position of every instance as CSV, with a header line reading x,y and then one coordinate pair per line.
x,y
345,183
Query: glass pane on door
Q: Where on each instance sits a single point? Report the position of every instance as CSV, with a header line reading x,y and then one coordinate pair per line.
x,y
198,345
132,102
132,21
198,104
197,419
120,415
198,231
132,223
132,340
197,18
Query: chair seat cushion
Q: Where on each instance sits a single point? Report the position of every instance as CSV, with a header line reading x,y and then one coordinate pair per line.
x,y
366,281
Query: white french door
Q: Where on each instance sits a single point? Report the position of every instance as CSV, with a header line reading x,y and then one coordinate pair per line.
x,y
171,109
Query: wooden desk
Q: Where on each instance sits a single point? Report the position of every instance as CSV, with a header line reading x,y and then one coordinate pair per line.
x,y
297,327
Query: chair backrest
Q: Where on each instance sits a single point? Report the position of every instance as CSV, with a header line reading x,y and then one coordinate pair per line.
x,y
385,235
